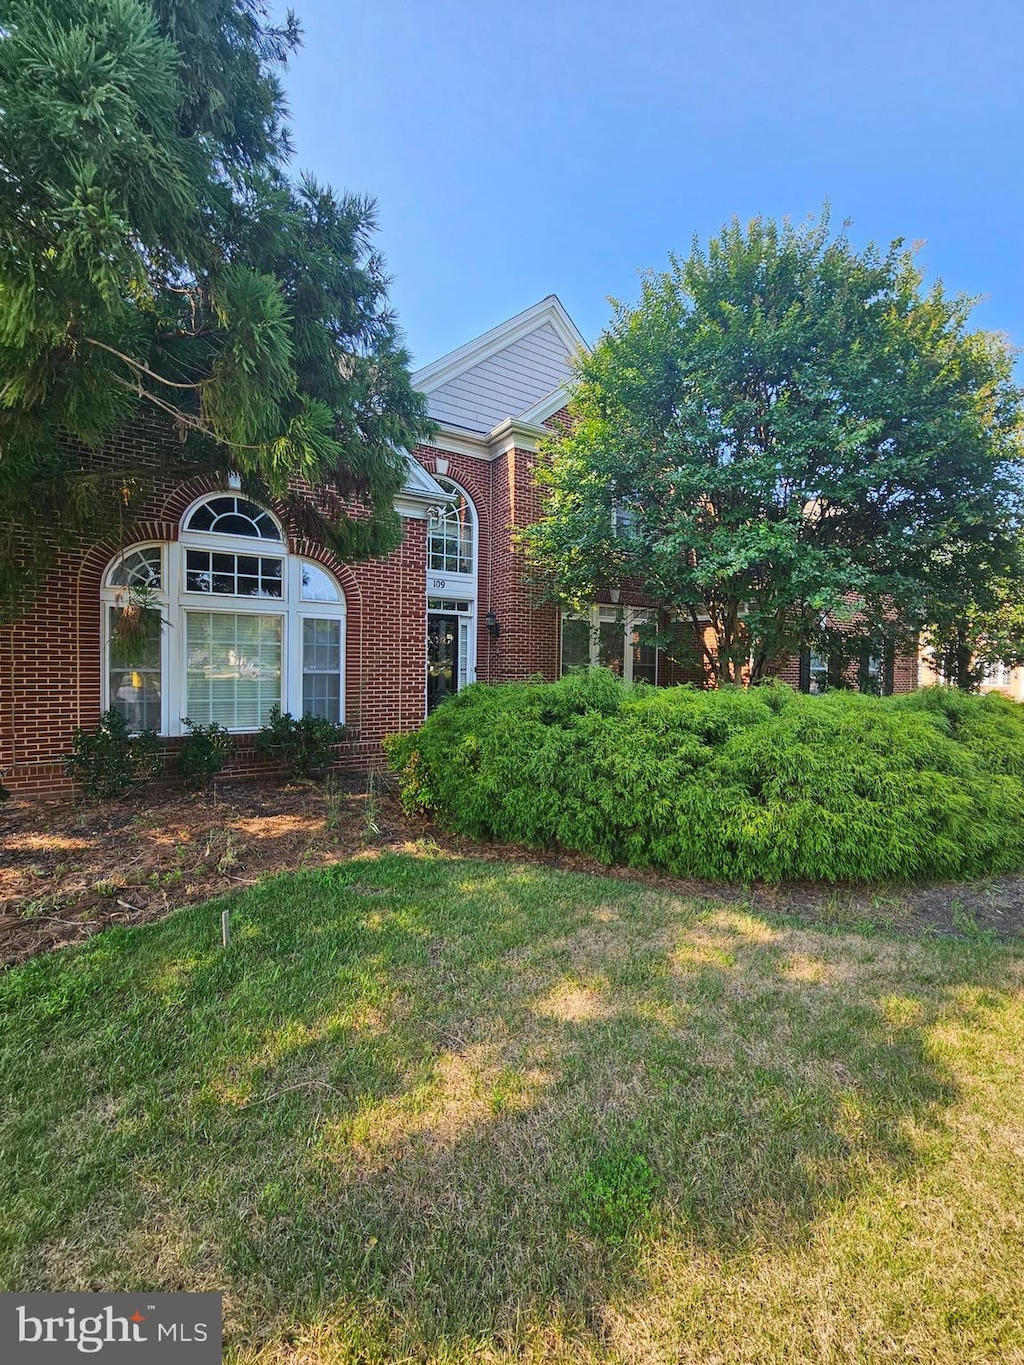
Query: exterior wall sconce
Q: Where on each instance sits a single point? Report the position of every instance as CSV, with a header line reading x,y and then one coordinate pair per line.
x,y
493,625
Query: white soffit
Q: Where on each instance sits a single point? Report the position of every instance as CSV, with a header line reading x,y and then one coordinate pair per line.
x,y
511,370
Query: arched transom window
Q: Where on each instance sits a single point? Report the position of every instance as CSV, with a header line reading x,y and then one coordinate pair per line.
x,y
231,516
450,533
222,625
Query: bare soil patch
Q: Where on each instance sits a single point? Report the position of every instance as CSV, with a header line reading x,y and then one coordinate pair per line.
x,y
69,869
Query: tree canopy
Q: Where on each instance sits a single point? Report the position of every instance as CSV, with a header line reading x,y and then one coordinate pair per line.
x,y
976,609
780,441
156,257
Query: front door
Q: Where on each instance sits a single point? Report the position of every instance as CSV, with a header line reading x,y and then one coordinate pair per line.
x,y
442,658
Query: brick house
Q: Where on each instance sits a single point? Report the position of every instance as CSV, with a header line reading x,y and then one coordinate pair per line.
x,y
253,617
996,678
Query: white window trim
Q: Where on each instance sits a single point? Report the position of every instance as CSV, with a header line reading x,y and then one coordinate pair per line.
x,y
458,583
203,539
457,588
632,617
173,602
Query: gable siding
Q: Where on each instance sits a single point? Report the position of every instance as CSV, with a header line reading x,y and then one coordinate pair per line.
x,y
506,384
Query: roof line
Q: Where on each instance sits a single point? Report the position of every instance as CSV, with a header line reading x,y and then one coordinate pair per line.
x,y
474,352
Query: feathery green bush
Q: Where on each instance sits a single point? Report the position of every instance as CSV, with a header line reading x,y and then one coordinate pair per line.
x,y
765,784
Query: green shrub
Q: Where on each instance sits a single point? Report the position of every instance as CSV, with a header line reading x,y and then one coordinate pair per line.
x,y
109,761
302,747
204,752
765,784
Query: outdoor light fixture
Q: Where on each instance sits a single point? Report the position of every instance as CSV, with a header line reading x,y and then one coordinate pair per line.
x,y
493,625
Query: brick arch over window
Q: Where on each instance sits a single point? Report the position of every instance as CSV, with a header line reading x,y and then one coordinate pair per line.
x,y
472,476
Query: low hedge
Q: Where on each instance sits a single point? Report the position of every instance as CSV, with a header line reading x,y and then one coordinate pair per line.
x,y
765,784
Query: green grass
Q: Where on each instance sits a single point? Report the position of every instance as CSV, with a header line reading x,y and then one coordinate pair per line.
x,y
439,1110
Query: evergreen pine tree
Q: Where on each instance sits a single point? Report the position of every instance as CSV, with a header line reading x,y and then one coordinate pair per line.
x,y
156,257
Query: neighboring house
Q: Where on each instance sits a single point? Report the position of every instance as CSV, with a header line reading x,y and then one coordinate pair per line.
x,y
253,616
996,678
1002,678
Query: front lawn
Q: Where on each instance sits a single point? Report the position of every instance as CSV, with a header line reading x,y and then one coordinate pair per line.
x,y
425,1108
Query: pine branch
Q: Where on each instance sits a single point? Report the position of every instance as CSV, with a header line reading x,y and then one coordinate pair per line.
x,y
142,369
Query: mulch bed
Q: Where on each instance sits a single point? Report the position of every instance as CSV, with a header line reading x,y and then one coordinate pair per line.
x,y
69,869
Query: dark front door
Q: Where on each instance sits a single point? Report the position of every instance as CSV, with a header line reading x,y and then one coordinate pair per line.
x,y
442,658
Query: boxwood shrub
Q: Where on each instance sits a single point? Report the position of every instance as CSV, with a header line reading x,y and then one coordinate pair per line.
x,y
765,784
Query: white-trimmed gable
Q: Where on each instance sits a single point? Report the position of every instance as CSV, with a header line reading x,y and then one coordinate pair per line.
x,y
513,369
420,493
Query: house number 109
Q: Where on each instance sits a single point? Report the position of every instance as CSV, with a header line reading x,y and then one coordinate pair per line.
x,y
440,582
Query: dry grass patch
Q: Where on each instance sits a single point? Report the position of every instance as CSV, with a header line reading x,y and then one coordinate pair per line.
x,y
437,1110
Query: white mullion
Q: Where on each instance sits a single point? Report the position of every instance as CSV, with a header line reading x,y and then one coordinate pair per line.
x,y
286,698
291,650
175,656
105,605
342,632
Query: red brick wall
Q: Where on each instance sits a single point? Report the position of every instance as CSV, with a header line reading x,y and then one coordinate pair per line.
x,y
529,642
50,665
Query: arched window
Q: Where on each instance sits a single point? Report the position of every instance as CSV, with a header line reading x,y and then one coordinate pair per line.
x,y
450,533
134,607
230,516
222,625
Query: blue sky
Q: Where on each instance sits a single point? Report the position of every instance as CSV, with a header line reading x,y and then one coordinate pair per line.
x,y
523,149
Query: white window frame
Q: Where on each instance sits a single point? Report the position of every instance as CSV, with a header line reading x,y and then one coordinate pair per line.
x,y
462,589
173,601
817,665
631,618
464,610
115,595
441,582
997,675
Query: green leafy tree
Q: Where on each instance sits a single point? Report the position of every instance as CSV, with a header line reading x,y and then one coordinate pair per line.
x,y
777,441
976,610
156,258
